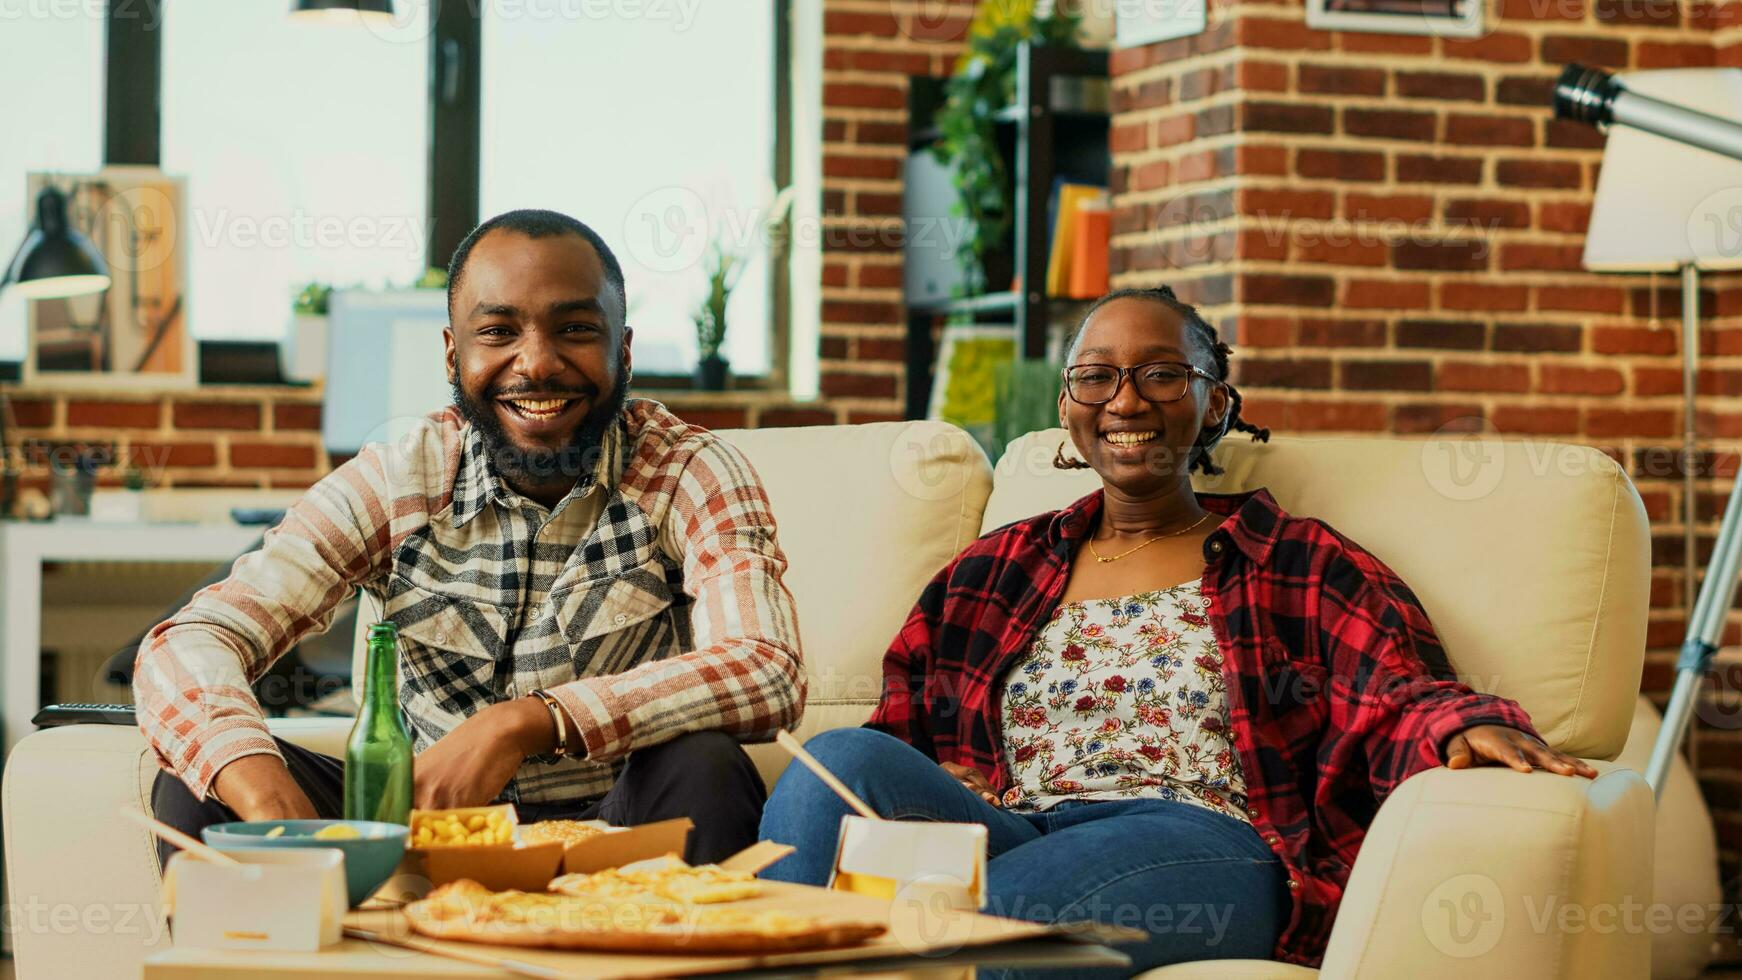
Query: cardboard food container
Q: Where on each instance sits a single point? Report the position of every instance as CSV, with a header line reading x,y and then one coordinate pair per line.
x,y
621,845
280,899
530,867
890,858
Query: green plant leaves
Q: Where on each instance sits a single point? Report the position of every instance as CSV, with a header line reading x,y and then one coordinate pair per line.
x,y
967,123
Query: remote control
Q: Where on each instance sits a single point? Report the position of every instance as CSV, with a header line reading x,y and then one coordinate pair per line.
x,y
84,714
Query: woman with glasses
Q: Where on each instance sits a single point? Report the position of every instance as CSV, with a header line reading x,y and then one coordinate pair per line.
x,y
1172,710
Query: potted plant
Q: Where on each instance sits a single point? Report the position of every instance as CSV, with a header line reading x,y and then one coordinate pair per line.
x,y
723,267
303,354
983,85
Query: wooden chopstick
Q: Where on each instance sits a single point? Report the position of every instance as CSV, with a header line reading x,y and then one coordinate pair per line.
x,y
790,744
178,838
520,967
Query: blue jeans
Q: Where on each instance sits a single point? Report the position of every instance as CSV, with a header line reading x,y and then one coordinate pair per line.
x,y
1203,885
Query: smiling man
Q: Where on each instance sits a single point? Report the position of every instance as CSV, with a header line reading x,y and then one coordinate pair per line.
x,y
587,589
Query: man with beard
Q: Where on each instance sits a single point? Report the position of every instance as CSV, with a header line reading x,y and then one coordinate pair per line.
x,y
587,589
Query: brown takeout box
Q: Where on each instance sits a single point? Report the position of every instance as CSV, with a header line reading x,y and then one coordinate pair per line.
x,y
530,867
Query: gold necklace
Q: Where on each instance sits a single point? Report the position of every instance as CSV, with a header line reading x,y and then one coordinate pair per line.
x,y
1145,544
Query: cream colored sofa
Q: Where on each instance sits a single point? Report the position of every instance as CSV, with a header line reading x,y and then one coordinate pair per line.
x,y
1532,561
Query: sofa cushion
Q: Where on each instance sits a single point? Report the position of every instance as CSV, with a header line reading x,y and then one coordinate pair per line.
x,y
1532,559
867,515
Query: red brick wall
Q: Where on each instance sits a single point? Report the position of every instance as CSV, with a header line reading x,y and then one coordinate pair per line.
x,y
1388,228
264,437
871,47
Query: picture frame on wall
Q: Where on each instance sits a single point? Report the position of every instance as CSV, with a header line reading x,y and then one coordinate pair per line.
x,y
135,334
1139,22
963,388
1444,18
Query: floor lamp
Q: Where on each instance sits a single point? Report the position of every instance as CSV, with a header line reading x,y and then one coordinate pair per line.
x,y
1669,199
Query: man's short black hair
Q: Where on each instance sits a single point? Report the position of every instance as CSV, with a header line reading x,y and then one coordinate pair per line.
x,y
538,223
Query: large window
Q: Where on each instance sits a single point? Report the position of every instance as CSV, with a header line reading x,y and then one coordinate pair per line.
x,y
307,146
656,130
51,69
303,145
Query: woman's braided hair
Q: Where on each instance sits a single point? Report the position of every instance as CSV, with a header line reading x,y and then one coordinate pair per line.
x,y
1205,335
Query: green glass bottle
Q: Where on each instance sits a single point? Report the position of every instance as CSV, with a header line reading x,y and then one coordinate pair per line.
x,y
378,754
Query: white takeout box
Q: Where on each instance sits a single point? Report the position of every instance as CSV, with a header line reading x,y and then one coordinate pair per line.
x,y
887,858
281,899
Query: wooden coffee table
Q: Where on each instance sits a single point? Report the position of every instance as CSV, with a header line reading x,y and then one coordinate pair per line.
x,y
354,959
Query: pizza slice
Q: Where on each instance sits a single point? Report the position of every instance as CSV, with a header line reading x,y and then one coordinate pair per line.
x,y
562,831
706,884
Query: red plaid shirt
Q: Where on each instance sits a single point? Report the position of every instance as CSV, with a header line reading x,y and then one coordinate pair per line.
x,y
1338,689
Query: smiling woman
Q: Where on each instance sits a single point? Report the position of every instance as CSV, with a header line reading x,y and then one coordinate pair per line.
x,y
1115,724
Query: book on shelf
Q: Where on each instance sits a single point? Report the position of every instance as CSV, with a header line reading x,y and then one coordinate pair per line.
x,y
1074,236
1089,252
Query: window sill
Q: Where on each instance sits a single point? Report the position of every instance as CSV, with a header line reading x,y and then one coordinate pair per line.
x,y
693,396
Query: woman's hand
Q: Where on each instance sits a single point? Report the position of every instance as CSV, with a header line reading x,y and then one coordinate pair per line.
x,y
1498,744
974,780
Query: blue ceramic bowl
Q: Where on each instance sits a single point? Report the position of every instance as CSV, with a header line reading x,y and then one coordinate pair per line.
x,y
369,859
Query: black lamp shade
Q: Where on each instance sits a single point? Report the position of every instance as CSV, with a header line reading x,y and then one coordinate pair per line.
x,y
320,8
55,261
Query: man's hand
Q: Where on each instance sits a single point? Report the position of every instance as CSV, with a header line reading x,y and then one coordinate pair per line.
x,y
258,787
1488,744
974,780
471,764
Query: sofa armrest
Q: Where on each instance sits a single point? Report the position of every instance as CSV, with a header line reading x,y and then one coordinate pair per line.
x,y
82,882
1492,872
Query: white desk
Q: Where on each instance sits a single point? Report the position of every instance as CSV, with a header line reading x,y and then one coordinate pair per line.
x,y
24,547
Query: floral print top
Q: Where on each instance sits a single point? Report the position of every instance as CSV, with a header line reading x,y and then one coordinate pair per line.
x,y
1123,698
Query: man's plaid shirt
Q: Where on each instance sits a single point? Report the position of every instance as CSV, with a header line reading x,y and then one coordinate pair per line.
x,y
648,601
1338,689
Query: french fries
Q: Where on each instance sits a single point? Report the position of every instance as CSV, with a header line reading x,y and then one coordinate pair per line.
x,y
461,828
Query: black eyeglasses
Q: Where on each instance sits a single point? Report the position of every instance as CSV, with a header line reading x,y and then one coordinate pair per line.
x,y
1157,381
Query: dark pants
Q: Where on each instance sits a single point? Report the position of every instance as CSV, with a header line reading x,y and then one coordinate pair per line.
x,y
703,775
